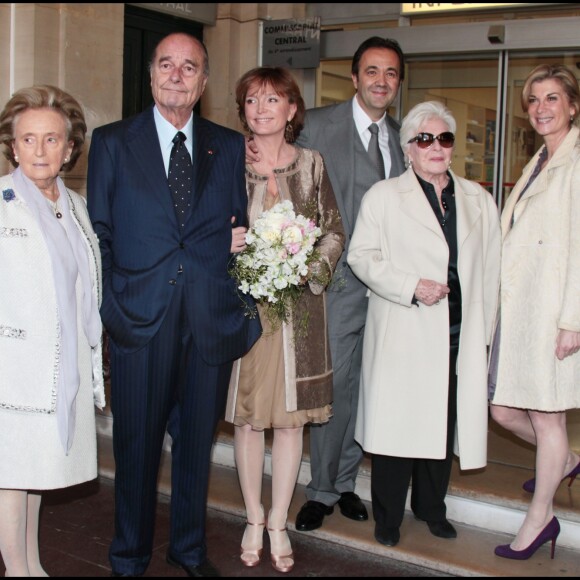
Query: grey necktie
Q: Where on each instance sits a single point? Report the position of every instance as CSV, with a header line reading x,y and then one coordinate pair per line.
x,y
375,151
179,177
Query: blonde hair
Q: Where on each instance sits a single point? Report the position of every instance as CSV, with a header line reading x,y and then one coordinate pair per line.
x,y
560,73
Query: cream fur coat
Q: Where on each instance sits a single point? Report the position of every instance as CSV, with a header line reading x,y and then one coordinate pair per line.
x,y
540,285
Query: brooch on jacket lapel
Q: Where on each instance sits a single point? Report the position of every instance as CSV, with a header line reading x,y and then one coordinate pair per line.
x,y
8,195
210,151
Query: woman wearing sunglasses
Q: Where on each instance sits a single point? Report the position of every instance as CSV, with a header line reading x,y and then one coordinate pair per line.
x,y
427,245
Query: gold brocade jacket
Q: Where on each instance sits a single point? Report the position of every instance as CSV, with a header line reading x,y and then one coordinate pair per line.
x,y
307,361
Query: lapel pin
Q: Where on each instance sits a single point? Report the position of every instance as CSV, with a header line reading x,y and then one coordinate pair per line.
x,y
8,195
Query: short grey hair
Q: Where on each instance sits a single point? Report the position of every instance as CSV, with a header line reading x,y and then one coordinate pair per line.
x,y
418,115
193,39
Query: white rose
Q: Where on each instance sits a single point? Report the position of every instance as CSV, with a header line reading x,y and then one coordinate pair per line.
x,y
280,283
292,235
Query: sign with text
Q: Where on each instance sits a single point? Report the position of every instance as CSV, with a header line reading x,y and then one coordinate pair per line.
x,y
291,43
196,11
414,8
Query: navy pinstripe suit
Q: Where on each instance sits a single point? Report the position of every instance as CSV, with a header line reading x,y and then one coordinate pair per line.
x,y
174,319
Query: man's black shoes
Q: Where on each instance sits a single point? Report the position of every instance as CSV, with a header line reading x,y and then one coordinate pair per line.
x,y
204,570
311,515
352,507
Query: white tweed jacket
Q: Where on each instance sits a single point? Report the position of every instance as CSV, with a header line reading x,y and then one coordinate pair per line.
x,y
29,329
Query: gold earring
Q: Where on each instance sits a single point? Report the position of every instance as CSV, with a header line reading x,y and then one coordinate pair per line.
x,y
289,133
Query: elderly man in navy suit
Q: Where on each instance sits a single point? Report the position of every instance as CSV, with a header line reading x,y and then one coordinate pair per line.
x,y
162,189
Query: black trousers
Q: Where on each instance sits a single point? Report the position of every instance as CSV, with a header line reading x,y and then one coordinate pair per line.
x,y
391,476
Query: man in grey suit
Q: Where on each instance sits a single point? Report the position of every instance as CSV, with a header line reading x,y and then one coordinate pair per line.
x,y
342,134
360,146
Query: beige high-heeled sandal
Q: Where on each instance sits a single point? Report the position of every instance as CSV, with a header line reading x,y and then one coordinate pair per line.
x,y
257,553
277,559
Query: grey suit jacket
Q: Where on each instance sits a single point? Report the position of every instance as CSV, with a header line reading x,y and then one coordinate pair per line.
x,y
331,131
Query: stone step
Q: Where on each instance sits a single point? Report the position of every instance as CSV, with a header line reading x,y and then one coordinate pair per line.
x,y
490,498
487,508
471,554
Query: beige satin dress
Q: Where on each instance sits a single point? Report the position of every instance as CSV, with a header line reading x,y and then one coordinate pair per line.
x,y
261,395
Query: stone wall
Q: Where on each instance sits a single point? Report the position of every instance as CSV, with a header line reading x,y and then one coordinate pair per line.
x,y
79,47
233,47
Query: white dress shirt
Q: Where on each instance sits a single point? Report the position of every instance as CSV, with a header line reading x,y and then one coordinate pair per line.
x,y
362,122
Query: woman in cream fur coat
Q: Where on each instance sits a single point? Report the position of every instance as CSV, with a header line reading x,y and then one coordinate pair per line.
x,y
535,365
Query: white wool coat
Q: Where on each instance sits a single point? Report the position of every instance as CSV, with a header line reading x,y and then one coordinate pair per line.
x,y
405,371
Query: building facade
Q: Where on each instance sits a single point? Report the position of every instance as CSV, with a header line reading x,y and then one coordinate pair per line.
x,y
473,59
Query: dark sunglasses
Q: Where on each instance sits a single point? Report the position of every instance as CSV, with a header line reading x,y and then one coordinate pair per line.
x,y
425,140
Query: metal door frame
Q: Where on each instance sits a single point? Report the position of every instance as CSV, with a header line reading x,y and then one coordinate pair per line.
x,y
526,37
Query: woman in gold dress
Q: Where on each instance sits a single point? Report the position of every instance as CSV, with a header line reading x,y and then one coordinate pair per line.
x,y
285,380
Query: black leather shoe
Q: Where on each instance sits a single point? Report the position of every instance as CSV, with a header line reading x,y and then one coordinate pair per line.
x,y
311,515
204,570
442,529
352,507
387,536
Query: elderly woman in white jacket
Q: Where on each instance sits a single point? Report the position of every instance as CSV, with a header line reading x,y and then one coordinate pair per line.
x,y
427,246
50,329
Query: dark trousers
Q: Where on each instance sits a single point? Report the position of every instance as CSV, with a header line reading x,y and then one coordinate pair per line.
x,y
164,386
390,476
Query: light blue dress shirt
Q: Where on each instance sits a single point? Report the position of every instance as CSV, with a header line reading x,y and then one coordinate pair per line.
x,y
166,132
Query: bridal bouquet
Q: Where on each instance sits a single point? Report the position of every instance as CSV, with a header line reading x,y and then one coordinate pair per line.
x,y
274,266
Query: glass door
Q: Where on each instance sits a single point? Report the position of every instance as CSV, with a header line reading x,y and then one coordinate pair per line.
x,y
467,85
469,88
484,94
521,142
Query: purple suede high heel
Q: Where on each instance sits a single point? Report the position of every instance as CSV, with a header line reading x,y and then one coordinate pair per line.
x,y
530,485
550,532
